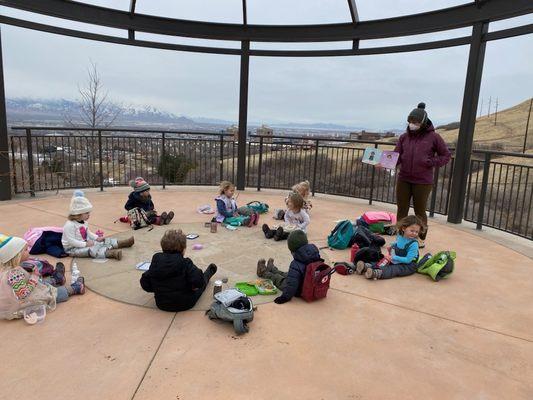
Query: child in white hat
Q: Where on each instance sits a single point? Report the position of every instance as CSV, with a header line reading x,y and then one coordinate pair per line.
x,y
20,289
79,241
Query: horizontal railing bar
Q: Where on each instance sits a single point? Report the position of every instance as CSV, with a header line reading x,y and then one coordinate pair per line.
x,y
83,129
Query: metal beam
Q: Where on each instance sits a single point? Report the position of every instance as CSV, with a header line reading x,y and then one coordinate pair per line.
x,y
244,13
131,32
243,115
468,122
434,21
5,172
353,11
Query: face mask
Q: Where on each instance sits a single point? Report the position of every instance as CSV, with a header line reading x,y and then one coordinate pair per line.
x,y
414,127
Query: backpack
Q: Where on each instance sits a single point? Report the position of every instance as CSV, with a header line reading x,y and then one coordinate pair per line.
x,y
258,207
138,218
316,281
439,266
233,306
340,236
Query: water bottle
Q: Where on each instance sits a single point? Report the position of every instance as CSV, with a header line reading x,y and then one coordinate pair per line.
x,y
75,274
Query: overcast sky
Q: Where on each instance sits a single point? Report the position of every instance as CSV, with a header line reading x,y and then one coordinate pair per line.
x,y
364,91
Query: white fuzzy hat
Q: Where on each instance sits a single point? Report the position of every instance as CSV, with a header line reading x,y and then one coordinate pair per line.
x,y
10,246
79,205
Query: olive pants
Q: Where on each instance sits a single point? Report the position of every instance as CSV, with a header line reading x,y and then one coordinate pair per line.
x,y
406,191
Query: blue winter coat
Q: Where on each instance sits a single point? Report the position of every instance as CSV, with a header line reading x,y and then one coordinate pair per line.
x,y
135,200
304,256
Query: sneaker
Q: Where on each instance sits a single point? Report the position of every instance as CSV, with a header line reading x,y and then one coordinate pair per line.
x,y
261,267
78,287
421,244
361,267
170,215
269,233
59,274
372,273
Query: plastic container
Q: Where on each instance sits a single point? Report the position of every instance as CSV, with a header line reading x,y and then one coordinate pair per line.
x,y
266,287
217,288
75,274
35,314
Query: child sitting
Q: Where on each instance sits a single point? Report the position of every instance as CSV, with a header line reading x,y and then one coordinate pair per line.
x,y
403,253
79,241
141,198
303,189
291,282
227,211
20,289
176,282
295,218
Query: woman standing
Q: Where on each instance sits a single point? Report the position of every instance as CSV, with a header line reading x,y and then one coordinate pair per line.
x,y
421,149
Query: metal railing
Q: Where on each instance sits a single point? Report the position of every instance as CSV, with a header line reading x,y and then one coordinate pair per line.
x,y
499,191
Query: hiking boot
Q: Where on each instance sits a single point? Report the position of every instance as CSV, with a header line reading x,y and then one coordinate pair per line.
x,y
125,242
372,273
78,287
59,274
278,235
361,267
114,253
269,233
270,266
261,267
169,217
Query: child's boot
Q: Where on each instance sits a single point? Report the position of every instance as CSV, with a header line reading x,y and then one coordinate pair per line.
x,y
269,233
169,217
270,267
59,274
361,267
125,242
261,267
256,220
280,234
114,253
373,273
162,218
78,287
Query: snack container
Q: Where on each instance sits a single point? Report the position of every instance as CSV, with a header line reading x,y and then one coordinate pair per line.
x,y
35,314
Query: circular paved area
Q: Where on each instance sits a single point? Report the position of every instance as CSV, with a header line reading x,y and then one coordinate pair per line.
x,y
234,252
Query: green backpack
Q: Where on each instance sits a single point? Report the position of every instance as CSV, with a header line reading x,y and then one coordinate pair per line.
x,y
439,266
340,236
258,207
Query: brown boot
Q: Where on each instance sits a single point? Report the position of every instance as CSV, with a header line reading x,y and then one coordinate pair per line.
x,y
114,253
125,243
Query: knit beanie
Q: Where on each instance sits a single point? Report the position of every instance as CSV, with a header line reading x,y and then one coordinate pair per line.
x,y
79,204
10,246
419,114
139,185
296,240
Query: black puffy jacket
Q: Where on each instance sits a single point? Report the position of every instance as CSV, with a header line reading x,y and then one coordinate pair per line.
x,y
304,256
135,200
172,278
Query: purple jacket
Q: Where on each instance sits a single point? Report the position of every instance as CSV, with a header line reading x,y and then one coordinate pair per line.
x,y
420,152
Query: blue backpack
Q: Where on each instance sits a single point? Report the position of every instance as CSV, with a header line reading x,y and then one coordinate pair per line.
x,y
340,236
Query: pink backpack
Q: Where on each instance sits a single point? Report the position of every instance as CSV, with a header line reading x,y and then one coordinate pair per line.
x,y
372,217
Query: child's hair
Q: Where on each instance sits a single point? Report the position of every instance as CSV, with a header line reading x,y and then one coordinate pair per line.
x,y
225,185
15,261
408,221
173,241
302,186
297,200
74,217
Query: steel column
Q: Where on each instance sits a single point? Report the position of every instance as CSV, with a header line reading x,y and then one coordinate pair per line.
x,y
243,114
5,172
468,122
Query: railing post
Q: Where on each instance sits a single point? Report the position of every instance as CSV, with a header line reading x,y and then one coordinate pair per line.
x,y
313,183
221,159
259,166
5,174
434,192
163,160
484,184
29,150
243,114
15,185
372,180
100,167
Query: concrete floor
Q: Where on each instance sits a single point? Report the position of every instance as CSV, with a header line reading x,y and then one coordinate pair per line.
x,y
468,337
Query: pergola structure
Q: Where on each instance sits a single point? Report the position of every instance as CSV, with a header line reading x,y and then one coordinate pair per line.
x,y
477,14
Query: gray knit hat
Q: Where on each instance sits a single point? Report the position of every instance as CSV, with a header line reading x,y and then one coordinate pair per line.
x,y
296,240
419,114
139,185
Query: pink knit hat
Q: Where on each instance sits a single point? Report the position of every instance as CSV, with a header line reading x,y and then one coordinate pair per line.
x,y
139,184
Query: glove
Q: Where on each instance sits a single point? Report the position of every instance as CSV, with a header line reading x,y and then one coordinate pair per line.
x,y
281,300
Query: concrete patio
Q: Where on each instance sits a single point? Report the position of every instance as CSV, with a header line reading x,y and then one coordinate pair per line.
x,y
467,337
